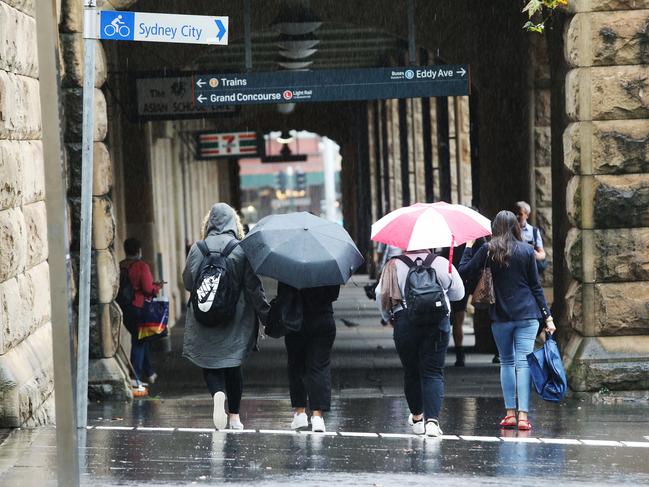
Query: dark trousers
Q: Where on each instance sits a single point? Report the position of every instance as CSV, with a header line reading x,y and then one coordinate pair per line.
x,y
422,351
139,349
228,380
309,361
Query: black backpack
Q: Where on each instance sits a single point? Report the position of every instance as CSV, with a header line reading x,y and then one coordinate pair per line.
x,y
425,299
215,293
126,292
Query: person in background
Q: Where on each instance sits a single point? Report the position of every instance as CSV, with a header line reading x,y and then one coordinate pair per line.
x,y
530,233
421,349
142,287
220,350
519,305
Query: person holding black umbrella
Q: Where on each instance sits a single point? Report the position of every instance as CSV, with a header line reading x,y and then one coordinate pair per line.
x,y
310,257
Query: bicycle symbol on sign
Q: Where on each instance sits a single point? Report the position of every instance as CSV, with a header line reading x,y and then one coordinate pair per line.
x,y
117,26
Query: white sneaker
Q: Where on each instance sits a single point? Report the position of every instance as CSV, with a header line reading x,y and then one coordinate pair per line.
x,y
300,420
433,429
152,378
218,415
410,420
419,428
317,424
236,424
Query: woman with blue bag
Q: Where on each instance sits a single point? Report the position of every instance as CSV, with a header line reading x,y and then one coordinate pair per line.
x,y
518,307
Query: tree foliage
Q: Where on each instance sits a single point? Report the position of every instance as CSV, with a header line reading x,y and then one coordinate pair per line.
x,y
539,11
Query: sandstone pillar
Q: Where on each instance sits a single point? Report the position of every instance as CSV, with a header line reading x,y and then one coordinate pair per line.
x,y
606,148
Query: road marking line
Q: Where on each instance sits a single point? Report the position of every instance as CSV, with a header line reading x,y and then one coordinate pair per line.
x,y
399,435
363,435
636,444
197,430
236,431
646,437
515,439
152,428
121,428
278,432
479,438
601,443
89,427
560,441
318,433
450,437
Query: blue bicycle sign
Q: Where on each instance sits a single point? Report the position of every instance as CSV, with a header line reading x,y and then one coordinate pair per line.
x,y
117,25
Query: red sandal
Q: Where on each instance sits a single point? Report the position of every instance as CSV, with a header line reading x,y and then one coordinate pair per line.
x,y
524,425
507,424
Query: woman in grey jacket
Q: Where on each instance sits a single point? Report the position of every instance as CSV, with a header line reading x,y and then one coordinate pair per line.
x,y
220,350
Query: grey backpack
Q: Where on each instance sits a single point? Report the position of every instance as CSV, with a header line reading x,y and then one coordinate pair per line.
x,y
425,300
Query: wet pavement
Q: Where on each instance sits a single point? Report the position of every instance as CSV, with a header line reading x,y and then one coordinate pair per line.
x,y
169,439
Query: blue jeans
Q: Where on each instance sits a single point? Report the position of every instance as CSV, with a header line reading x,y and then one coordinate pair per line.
x,y
139,349
515,340
422,350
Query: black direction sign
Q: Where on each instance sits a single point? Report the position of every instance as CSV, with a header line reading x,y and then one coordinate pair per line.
x,y
330,85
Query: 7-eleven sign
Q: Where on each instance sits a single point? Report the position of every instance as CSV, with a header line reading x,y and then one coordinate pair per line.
x,y
211,145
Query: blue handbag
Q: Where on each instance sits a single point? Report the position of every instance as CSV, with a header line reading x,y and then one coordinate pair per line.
x,y
548,374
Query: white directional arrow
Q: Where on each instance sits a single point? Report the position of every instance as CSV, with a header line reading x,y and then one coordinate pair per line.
x,y
201,98
200,83
461,72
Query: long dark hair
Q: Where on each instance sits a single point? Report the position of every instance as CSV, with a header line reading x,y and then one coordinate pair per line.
x,y
506,231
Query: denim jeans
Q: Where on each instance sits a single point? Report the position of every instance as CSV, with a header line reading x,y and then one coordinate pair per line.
x,y
139,349
422,350
228,380
515,340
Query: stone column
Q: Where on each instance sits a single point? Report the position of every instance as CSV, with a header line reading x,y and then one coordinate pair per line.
x,y
606,147
105,376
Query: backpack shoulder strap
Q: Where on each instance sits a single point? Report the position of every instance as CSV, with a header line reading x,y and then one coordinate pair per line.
x,y
229,247
429,260
406,260
202,246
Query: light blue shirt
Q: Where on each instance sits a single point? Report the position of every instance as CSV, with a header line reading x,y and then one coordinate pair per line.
x,y
527,234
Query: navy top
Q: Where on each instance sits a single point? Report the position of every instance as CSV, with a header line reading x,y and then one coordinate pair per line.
x,y
519,295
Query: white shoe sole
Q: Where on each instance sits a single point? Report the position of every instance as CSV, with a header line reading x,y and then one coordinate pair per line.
x,y
296,425
218,416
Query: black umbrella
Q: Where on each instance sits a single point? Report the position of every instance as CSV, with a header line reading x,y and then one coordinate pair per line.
x,y
301,250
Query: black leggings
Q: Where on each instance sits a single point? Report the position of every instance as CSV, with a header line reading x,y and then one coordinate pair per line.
x,y
229,381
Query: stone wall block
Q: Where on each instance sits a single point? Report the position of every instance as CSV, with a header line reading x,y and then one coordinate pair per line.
x,y
105,324
543,220
17,43
72,16
39,277
622,255
620,92
621,147
576,6
11,169
543,177
26,378
573,253
573,100
13,243
73,57
574,308
103,223
73,104
36,223
25,6
102,174
621,309
105,277
542,146
33,171
20,108
572,147
573,201
622,201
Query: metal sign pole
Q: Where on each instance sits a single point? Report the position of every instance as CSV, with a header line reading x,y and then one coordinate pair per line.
x,y
67,446
85,254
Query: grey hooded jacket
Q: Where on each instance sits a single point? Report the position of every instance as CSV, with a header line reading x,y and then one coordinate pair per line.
x,y
224,346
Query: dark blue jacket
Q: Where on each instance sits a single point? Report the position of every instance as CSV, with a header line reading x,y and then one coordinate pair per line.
x,y
519,295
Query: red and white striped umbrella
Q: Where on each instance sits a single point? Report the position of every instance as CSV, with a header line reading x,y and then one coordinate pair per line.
x,y
430,225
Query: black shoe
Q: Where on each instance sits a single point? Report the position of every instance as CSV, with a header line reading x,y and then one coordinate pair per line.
x,y
369,292
459,357
496,359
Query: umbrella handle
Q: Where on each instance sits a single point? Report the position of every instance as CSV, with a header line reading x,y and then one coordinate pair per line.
x,y
450,255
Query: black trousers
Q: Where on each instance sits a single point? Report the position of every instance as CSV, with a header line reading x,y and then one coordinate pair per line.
x,y
228,380
309,361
